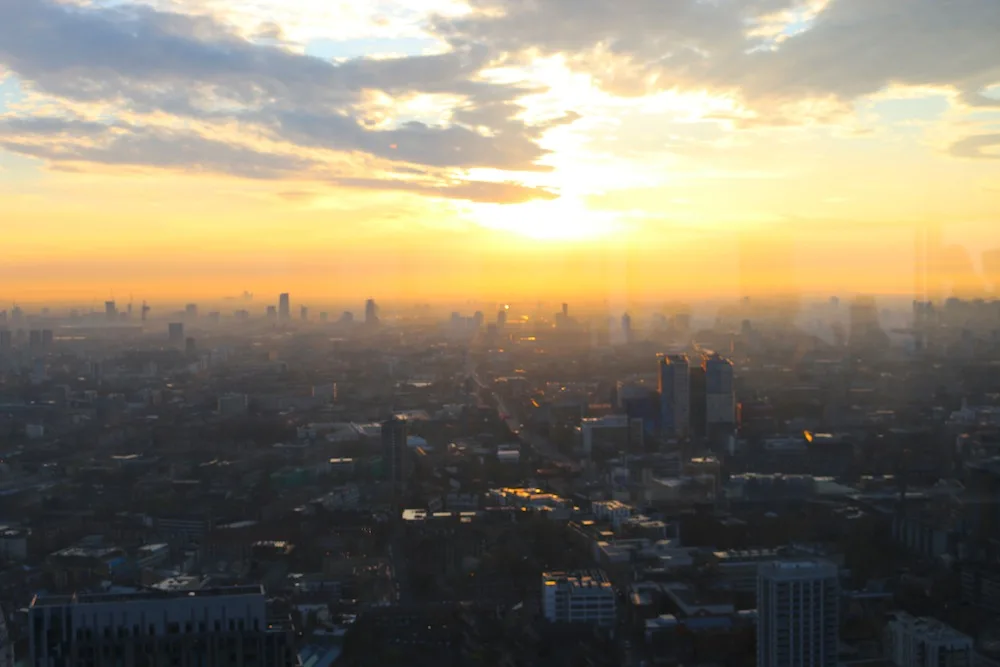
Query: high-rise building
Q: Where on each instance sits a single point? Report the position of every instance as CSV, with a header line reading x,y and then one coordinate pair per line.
x,y
35,339
191,311
6,340
110,311
501,319
627,327
284,307
371,312
394,459
175,332
578,598
304,313
272,313
477,320
675,395
699,401
926,642
720,392
191,347
797,614
47,338
208,626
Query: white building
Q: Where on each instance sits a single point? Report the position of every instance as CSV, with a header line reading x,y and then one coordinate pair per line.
x,y
612,510
926,642
578,597
798,614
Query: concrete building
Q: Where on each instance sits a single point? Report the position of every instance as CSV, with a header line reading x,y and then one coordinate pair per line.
x,y
720,394
612,434
798,614
675,395
926,642
212,626
578,598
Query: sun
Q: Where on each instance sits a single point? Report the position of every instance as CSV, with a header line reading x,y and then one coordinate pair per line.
x,y
563,219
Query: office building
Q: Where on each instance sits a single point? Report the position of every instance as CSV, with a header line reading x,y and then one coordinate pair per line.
x,y
578,598
110,311
371,312
304,313
209,626
501,319
272,313
699,401
611,435
47,338
394,456
284,307
720,393
35,339
675,395
797,614
926,642
191,311
175,332
627,328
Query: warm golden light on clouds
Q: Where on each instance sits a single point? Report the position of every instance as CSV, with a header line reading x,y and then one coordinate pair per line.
x,y
426,149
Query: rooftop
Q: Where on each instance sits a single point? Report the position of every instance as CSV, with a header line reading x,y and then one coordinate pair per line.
x,y
145,595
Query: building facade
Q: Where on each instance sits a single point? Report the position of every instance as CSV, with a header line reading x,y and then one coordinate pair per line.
x,y
578,598
212,627
926,642
797,614
675,395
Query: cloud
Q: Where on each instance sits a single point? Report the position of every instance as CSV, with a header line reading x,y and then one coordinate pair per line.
x,y
68,143
976,147
838,50
138,60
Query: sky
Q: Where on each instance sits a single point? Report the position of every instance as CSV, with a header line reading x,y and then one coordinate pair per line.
x,y
493,148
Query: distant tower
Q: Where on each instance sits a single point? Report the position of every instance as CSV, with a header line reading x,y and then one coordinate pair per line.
x,y
304,313
502,318
797,614
272,313
191,311
145,311
175,332
627,327
371,312
284,307
675,395
110,311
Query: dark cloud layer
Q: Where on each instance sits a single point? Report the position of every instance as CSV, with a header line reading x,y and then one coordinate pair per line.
x,y
854,48
66,143
193,67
